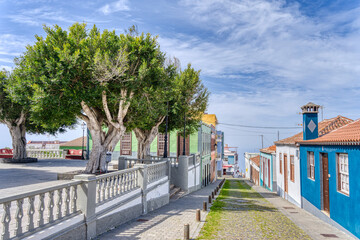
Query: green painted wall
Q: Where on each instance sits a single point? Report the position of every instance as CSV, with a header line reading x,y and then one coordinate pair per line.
x,y
153,146
134,143
173,142
70,147
194,140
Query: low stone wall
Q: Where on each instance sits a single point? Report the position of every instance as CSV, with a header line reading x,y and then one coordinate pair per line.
x,y
21,160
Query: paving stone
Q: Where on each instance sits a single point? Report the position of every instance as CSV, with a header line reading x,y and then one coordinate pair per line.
x,y
167,222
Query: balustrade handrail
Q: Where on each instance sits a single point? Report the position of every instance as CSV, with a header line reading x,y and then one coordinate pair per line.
x,y
44,150
39,191
117,173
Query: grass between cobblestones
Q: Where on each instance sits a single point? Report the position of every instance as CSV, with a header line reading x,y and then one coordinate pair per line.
x,y
239,212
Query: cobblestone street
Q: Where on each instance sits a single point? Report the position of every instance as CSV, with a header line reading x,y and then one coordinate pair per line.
x,y
242,213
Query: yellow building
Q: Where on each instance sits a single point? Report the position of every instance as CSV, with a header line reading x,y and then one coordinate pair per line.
x,y
210,119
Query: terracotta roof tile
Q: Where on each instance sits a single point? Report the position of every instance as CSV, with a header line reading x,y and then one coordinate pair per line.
x,y
256,160
348,134
325,126
74,143
271,149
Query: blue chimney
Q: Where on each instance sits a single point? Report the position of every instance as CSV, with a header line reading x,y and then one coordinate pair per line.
x,y
310,121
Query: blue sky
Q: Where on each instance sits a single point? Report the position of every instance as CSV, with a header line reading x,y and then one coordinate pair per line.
x,y
261,59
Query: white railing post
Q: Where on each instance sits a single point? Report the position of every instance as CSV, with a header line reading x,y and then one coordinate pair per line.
x,y
86,202
143,180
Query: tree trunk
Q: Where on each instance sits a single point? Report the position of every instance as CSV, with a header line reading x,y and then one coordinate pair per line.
x,y
17,132
102,143
145,138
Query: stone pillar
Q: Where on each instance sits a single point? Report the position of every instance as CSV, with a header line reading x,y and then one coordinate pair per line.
x,y
143,176
183,171
86,202
121,163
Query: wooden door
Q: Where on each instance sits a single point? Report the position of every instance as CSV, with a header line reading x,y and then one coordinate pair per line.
x,y
325,180
161,145
181,144
285,174
269,173
263,171
125,144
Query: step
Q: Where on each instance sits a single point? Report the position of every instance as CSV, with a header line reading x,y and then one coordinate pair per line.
x,y
178,195
174,191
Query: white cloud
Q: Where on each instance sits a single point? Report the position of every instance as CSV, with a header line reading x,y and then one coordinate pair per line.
x,y
7,68
121,5
265,59
267,36
40,16
11,46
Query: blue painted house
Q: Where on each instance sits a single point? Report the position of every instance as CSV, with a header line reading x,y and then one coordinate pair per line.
x,y
267,168
329,168
219,152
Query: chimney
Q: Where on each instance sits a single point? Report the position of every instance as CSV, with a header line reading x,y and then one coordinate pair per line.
x,y
310,121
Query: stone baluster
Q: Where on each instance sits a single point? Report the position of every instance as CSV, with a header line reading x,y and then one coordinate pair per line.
x,y
67,201
41,209
74,199
51,206
5,220
108,187
113,186
103,189
98,194
30,213
59,204
18,217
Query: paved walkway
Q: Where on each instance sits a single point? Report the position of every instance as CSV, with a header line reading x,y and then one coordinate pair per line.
x,y
166,222
19,178
242,213
312,225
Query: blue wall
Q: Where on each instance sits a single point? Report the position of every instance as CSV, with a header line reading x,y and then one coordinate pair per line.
x,y
344,209
307,118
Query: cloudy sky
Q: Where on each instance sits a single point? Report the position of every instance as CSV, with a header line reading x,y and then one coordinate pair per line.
x,y
260,59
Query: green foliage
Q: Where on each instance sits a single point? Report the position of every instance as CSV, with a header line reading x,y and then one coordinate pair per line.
x,y
68,67
9,110
189,97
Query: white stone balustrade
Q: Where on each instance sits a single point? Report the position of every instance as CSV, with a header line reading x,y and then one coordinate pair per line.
x,y
112,185
83,203
22,214
45,153
156,171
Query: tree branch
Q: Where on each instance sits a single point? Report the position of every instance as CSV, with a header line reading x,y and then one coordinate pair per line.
x,y
107,111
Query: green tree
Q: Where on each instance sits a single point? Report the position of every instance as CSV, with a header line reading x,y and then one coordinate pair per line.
x,y
88,75
16,113
186,95
190,101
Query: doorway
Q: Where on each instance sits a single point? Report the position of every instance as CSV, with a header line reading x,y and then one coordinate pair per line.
x,y
285,174
325,183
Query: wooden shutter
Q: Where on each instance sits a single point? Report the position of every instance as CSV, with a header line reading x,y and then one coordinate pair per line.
x,y
180,145
161,144
292,168
125,144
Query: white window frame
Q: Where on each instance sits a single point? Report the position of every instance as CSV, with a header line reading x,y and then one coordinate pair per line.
x,y
343,173
311,165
